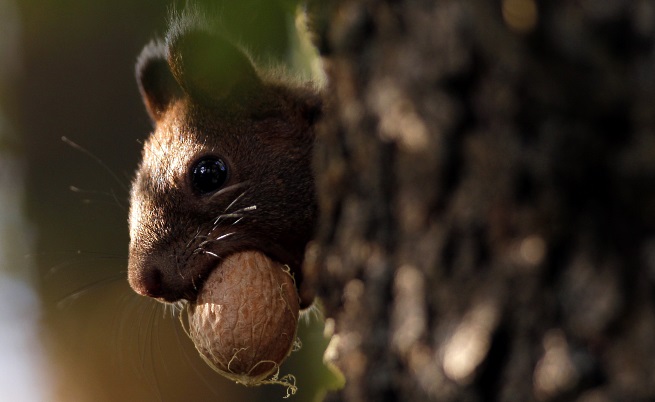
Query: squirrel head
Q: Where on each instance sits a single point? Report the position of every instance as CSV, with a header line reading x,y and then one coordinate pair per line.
x,y
226,169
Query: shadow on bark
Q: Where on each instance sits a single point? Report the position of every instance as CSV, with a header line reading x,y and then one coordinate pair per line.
x,y
486,175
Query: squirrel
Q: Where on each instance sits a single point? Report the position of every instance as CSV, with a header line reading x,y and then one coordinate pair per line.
x,y
228,167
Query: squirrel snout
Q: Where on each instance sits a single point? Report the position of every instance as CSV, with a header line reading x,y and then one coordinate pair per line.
x,y
147,282
154,276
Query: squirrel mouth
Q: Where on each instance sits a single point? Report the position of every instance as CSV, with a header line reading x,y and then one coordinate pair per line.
x,y
244,260
286,261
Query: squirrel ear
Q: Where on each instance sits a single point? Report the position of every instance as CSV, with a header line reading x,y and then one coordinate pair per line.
x,y
209,67
157,85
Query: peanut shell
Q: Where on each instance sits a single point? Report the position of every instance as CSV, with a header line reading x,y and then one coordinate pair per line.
x,y
245,318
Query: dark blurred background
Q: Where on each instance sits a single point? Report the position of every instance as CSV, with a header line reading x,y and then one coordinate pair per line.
x,y
71,329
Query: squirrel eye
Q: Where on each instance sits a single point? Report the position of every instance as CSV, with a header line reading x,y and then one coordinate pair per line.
x,y
208,175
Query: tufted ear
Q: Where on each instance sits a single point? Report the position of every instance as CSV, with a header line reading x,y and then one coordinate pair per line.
x,y
157,85
210,68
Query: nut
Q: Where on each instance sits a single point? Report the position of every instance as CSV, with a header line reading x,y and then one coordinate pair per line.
x,y
245,318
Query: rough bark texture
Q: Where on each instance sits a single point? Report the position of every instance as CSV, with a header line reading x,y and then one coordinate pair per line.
x,y
487,184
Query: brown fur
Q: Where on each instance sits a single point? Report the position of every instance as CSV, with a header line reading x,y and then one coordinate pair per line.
x,y
206,98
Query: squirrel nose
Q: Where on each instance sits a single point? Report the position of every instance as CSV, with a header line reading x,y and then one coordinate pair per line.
x,y
152,283
154,274
151,278
147,282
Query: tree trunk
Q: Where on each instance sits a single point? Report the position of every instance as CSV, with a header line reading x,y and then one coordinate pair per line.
x,y
486,177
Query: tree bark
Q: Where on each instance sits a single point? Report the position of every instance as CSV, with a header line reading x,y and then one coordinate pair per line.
x,y
486,179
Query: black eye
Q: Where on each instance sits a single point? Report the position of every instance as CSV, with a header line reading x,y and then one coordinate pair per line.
x,y
208,175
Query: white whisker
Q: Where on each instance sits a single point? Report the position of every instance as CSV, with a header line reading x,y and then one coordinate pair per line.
x,y
235,200
246,209
229,188
236,214
199,243
224,216
193,238
223,236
